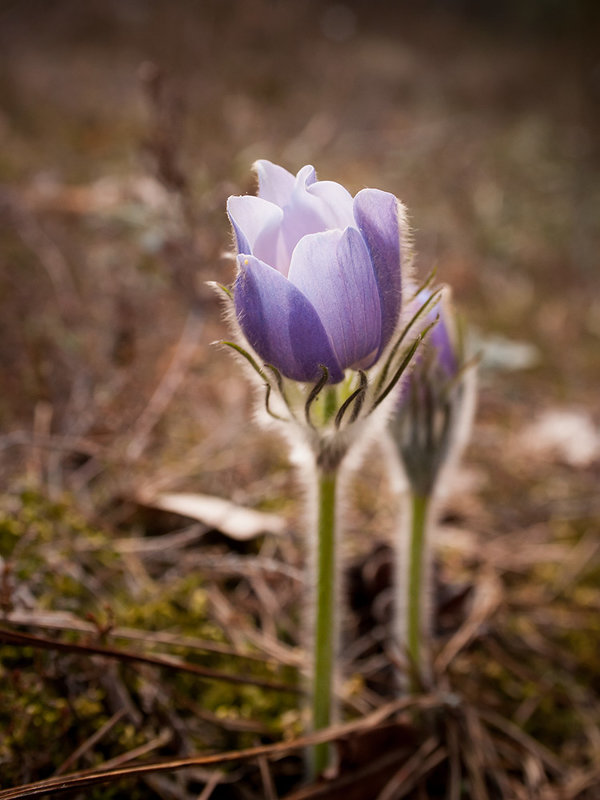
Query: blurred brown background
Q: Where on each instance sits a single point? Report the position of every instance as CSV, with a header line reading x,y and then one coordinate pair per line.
x,y
124,126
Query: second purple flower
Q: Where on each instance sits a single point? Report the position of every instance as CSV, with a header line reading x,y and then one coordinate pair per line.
x,y
320,279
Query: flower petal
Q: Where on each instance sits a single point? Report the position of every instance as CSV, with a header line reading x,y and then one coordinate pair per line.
x,y
306,176
306,212
268,231
274,182
336,207
281,324
333,270
440,337
440,340
380,219
250,215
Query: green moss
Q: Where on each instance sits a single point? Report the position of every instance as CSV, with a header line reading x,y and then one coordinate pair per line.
x,y
66,564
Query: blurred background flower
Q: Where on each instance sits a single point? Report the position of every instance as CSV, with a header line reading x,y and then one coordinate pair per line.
x,y
434,410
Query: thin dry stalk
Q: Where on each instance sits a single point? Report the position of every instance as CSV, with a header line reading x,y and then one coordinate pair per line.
x,y
454,763
125,655
534,747
167,387
229,621
408,774
486,599
474,757
267,779
338,732
154,744
51,258
65,621
492,748
91,742
211,784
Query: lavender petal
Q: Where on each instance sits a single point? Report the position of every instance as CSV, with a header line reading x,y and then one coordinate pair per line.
x,y
336,203
440,338
333,270
379,218
274,182
281,324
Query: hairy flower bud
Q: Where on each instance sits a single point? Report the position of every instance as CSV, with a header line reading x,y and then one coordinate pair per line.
x,y
435,406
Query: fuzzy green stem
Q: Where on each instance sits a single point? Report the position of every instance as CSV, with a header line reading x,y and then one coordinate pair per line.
x,y
324,627
417,590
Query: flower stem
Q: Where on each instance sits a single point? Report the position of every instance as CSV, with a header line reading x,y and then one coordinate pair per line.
x,y
417,622
324,632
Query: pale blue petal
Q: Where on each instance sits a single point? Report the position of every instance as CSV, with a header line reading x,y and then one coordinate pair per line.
x,y
333,270
306,176
281,324
440,338
274,182
305,213
253,219
378,215
336,208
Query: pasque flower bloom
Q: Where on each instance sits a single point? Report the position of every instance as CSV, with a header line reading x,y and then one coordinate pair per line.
x,y
319,279
318,294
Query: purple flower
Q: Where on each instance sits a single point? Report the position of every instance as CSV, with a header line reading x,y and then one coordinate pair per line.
x,y
319,278
435,404
441,339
